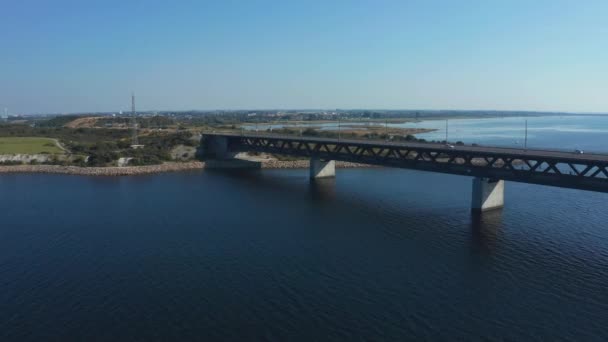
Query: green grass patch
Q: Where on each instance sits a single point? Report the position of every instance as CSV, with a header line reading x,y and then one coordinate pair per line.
x,y
28,146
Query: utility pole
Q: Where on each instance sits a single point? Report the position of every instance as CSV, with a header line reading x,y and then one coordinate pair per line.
x,y
446,131
134,139
526,137
386,129
338,127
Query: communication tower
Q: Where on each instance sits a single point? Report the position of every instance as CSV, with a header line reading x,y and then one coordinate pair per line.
x,y
134,139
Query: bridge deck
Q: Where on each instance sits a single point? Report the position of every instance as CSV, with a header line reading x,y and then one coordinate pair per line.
x,y
490,150
555,168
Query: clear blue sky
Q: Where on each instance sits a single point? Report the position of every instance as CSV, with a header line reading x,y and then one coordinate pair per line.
x,y
70,56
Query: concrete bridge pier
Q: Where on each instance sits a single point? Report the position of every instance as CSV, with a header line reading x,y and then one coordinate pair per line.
x,y
488,194
322,168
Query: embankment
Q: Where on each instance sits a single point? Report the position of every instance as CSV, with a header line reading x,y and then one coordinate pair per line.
x,y
302,164
102,171
149,169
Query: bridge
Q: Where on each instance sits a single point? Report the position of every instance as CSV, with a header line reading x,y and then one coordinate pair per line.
x,y
489,166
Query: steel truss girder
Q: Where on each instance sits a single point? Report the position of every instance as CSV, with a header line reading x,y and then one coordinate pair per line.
x,y
534,169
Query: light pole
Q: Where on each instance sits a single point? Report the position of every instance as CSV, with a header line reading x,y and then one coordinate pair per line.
x,y
446,131
526,137
338,127
386,129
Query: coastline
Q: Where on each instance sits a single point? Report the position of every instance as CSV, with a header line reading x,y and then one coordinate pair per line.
x,y
102,171
304,164
112,171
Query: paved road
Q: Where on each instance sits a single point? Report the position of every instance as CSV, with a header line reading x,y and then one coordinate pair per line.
x,y
497,151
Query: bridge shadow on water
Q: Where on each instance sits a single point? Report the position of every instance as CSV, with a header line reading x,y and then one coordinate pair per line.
x,y
493,250
485,231
499,237
484,228
323,189
319,190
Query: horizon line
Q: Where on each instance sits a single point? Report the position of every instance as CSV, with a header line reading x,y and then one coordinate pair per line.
x,y
321,109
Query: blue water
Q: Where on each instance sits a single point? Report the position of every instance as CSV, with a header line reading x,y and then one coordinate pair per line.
x,y
570,132
553,132
376,254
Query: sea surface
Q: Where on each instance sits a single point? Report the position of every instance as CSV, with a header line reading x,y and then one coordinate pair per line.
x,y
375,254
566,132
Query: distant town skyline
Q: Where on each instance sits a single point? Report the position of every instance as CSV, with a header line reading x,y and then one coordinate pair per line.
x,y
68,56
295,111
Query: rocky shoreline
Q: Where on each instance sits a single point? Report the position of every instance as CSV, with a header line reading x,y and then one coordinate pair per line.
x,y
151,169
103,171
172,167
303,164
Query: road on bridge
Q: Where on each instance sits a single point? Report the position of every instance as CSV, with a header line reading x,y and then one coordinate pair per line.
x,y
489,150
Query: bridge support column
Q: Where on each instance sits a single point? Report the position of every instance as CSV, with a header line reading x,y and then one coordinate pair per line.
x,y
321,168
488,194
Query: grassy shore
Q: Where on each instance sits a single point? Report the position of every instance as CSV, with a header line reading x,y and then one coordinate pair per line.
x,y
28,145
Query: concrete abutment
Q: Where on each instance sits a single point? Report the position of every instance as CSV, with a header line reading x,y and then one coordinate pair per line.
x,y
217,148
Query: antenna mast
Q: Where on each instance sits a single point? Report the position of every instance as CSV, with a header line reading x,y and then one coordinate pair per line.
x,y
134,140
